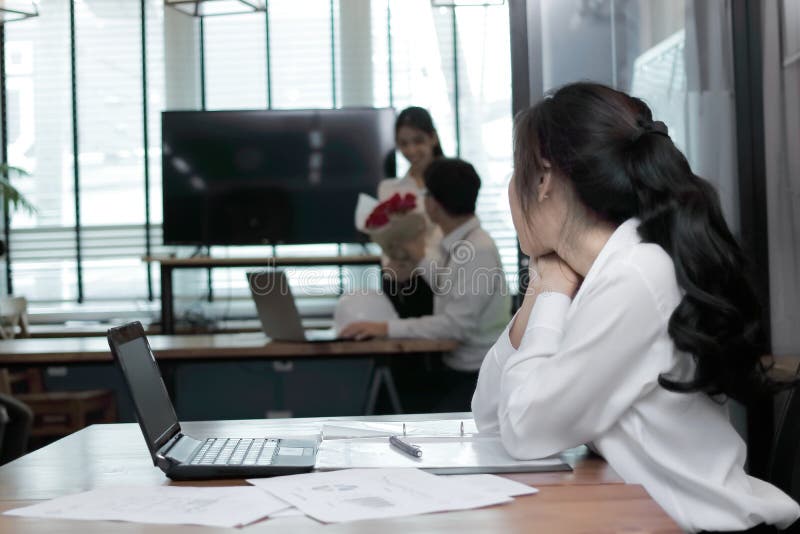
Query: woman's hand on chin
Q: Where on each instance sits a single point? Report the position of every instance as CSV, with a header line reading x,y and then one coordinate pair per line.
x,y
551,273
547,273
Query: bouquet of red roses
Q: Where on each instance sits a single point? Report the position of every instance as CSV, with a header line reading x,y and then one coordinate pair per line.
x,y
396,205
391,223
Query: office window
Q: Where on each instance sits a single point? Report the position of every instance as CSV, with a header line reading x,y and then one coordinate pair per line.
x,y
110,148
157,32
316,55
379,47
300,51
235,61
485,121
42,246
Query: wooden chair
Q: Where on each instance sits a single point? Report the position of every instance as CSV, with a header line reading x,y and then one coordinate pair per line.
x,y
58,413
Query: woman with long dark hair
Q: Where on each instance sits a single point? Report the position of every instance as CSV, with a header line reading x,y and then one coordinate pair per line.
x,y
418,141
639,321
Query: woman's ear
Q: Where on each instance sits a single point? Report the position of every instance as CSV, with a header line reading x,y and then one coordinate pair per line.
x,y
545,184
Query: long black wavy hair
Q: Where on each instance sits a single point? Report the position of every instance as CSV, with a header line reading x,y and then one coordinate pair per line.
x,y
622,164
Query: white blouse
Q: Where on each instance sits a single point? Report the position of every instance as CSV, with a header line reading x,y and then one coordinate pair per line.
x,y
586,371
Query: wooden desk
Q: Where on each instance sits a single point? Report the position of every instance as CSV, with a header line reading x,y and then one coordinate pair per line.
x,y
168,264
562,510
58,351
98,329
590,499
192,348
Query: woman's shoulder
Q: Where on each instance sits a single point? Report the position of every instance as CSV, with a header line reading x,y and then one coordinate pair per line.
x,y
652,261
652,266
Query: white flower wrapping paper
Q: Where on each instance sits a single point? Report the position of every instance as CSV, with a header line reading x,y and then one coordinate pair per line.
x,y
398,230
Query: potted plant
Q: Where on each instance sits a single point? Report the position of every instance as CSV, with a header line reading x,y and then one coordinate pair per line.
x,y
13,200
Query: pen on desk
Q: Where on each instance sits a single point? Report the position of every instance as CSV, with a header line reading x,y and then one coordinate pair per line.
x,y
408,448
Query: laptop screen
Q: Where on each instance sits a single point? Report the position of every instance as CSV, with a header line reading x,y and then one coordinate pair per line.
x,y
156,414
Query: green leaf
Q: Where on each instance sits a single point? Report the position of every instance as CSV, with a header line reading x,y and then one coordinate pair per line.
x,y
12,197
5,168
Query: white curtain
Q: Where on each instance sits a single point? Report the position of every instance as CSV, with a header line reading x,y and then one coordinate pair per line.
x,y
684,71
781,78
710,127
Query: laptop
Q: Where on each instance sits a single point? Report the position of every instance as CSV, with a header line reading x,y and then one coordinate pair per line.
x,y
183,457
277,310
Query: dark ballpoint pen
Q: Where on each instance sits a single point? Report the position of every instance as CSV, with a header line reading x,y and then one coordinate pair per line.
x,y
408,448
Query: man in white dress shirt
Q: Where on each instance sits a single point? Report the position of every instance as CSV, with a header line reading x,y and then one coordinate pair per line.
x,y
471,299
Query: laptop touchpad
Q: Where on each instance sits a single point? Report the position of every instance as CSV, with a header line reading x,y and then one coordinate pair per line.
x,y
290,451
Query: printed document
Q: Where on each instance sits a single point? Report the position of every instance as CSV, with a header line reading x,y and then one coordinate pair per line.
x,y
215,506
494,484
355,494
485,483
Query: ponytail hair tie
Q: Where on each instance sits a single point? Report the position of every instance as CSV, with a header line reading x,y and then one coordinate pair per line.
x,y
647,126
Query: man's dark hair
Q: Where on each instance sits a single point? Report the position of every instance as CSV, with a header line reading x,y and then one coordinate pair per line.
x,y
454,184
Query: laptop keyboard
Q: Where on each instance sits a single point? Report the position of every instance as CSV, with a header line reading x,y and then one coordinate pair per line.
x,y
236,451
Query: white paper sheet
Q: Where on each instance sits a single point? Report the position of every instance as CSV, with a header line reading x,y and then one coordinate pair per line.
x,y
217,506
481,453
355,494
364,429
289,512
494,484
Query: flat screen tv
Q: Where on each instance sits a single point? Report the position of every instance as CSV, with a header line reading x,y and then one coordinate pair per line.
x,y
271,177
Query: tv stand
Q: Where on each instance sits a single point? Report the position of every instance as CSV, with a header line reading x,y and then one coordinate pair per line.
x,y
168,264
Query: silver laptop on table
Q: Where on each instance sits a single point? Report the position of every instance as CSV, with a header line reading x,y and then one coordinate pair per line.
x,y
277,310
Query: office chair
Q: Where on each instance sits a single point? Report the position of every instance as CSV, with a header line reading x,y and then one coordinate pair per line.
x,y
784,464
